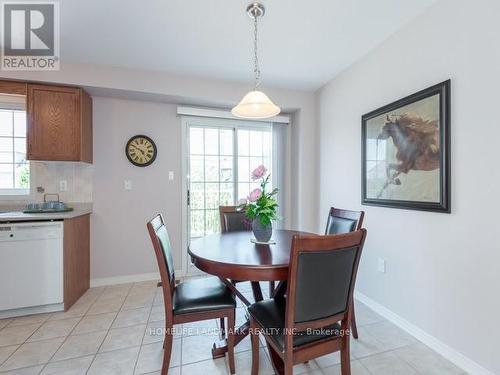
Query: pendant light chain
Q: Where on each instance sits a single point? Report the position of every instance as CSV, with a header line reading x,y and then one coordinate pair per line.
x,y
256,69
255,104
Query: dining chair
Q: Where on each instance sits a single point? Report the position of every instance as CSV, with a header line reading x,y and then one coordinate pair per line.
x,y
190,301
233,219
344,221
314,319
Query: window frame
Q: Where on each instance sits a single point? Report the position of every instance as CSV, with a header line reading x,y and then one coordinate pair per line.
x,y
233,125
204,182
16,103
186,122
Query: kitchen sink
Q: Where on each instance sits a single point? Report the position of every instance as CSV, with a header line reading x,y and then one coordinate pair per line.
x,y
47,207
48,210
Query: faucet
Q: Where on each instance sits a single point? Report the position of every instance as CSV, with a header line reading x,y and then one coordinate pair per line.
x,y
49,194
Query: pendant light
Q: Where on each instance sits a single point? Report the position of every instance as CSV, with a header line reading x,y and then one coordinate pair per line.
x,y
255,104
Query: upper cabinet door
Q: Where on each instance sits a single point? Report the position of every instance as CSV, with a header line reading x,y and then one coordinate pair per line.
x,y
59,123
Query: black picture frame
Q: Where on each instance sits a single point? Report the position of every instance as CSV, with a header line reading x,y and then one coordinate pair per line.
x,y
442,89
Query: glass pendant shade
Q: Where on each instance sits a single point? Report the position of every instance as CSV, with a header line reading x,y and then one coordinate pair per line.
x,y
255,105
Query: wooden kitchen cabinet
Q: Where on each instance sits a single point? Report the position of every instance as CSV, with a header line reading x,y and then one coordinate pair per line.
x,y
76,258
13,88
59,123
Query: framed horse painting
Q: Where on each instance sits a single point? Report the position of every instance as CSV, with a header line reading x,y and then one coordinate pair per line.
x,y
406,152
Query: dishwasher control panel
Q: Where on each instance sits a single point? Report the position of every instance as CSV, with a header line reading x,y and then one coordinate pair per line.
x,y
31,231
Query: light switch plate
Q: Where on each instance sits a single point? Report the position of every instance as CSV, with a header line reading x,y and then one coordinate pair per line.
x,y
171,175
381,265
63,185
127,185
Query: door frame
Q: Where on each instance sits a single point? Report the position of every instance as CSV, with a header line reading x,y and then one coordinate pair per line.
x,y
187,121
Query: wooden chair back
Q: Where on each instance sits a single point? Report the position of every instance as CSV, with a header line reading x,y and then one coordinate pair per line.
x,y
321,281
163,250
232,219
344,221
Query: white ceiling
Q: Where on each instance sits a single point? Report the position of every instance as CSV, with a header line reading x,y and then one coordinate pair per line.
x,y
303,44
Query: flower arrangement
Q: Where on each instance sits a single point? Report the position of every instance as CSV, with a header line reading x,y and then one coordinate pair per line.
x,y
261,205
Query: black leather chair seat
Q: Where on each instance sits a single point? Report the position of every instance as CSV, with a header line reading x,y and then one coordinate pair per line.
x,y
206,294
270,314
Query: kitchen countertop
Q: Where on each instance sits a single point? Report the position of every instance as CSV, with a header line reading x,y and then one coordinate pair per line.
x,y
79,210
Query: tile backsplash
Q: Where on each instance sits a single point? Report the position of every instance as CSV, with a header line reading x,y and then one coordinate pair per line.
x,y
46,177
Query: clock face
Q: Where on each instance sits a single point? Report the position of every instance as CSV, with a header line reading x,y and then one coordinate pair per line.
x,y
141,150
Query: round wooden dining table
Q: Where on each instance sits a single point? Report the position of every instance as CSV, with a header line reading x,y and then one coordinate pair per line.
x,y
232,256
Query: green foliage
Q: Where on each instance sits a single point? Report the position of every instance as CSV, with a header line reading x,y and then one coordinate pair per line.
x,y
265,207
22,176
25,178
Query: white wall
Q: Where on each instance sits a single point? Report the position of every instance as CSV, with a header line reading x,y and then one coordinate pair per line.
x,y
120,242
442,270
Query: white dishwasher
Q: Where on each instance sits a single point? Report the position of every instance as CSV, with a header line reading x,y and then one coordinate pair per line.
x,y
31,267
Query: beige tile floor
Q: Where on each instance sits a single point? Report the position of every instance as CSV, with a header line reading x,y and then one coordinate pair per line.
x,y
111,330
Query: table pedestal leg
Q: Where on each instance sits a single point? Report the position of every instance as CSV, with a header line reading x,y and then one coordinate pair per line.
x,y
257,292
220,350
276,361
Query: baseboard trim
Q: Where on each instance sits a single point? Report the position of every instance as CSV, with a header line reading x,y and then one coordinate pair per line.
x,y
32,310
114,280
432,342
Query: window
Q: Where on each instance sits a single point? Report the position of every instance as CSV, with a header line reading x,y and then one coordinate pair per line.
x,y
220,161
254,149
14,168
211,183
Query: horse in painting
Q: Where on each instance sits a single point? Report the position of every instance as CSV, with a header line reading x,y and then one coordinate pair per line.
x,y
417,143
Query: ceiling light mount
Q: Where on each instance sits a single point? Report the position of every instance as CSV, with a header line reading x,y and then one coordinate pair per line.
x,y
256,10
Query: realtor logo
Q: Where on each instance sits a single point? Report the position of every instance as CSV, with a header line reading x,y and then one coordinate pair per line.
x,y
30,36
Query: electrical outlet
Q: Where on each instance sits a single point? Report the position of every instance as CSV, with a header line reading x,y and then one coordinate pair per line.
x,y
381,265
63,185
127,185
171,175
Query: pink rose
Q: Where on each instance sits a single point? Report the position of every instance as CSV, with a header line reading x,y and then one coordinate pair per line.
x,y
259,172
254,195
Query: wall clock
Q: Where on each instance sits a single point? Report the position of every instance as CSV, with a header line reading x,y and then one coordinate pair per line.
x,y
141,150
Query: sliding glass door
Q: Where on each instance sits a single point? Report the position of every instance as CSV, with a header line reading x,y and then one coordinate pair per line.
x,y
221,157
211,177
254,149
